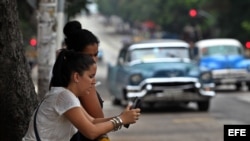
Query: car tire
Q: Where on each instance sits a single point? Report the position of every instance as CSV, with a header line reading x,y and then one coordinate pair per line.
x,y
151,104
203,105
238,86
116,101
248,86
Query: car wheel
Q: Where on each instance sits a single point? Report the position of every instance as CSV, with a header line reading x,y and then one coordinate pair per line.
x,y
238,86
248,86
116,101
203,105
184,104
151,104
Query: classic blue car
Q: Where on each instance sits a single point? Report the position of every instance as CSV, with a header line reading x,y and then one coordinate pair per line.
x,y
159,71
100,54
226,59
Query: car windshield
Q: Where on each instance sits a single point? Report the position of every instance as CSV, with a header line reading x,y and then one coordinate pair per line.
x,y
157,52
221,50
180,68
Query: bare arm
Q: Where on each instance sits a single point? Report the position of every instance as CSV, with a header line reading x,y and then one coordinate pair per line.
x,y
92,128
91,104
84,123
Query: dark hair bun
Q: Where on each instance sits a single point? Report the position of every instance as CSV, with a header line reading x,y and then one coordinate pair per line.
x,y
71,28
77,38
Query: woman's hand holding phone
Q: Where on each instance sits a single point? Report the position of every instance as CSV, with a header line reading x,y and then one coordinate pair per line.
x,y
136,104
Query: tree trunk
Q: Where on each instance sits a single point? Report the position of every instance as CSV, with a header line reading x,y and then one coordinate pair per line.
x,y
17,93
46,44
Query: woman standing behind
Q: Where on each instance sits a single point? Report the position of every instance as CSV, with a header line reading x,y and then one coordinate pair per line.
x,y
60,115
84,41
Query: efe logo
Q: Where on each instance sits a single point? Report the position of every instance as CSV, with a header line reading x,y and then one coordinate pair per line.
x,y
236,132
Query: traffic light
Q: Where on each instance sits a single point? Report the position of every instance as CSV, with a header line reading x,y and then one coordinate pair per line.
x,y
193,13
33,42
248,44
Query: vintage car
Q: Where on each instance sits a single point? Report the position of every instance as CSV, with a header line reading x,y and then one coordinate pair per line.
x,y
100,54
159,71
226,59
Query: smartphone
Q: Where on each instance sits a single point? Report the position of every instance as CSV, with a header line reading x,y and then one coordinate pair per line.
x,y
136,104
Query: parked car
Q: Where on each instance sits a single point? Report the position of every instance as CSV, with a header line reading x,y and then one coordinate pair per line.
x,y
226,59
100,55
159,71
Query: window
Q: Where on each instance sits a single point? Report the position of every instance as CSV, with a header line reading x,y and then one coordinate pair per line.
x,y
158,52
221,50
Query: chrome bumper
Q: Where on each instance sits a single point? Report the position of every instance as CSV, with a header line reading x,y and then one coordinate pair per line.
x,y
171,88
231,76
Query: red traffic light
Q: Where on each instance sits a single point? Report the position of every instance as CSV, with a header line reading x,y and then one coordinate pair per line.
x,y
192,13
33,42
248,44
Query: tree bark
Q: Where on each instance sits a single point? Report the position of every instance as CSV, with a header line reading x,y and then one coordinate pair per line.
x,y
17,92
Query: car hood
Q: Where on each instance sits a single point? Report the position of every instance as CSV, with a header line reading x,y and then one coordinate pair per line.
x,y
165,69
224,62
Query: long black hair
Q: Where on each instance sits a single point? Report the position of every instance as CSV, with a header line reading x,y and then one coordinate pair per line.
x,y
76,38
66,63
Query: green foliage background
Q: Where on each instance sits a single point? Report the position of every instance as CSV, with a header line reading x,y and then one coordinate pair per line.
x,y
28,20
231,17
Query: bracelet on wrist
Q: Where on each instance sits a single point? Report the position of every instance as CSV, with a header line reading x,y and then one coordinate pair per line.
x,y
117,123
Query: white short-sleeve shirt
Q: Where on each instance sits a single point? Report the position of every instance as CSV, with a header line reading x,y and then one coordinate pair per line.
x,y
52,125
